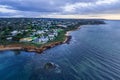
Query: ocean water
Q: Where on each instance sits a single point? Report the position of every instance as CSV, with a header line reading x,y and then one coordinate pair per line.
x,y
92,54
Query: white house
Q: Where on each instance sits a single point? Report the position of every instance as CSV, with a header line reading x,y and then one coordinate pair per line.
x,y
14,33
9,38
51,37
60,25
40,32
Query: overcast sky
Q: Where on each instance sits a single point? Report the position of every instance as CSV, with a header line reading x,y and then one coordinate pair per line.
x,y
109,9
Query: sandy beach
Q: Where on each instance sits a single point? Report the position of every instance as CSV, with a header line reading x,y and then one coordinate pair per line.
x,y
10,48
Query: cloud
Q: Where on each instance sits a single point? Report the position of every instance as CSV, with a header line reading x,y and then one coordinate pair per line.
x,y
6,9
40,5
35,8
100,6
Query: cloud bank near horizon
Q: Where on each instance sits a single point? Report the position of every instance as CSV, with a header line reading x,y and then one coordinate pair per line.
x,y
55,8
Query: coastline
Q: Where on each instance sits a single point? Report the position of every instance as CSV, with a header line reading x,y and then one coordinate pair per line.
x,y
37,49
68,36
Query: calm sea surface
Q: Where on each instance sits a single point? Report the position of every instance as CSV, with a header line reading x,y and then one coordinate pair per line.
x,y
92,54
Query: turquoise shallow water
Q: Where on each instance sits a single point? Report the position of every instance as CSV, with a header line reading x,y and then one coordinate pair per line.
x,y
92,54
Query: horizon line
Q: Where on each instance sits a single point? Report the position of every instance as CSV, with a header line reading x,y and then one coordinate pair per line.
x,y
61,18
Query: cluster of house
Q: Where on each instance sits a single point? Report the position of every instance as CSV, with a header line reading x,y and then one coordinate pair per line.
x,y
43,36
54,22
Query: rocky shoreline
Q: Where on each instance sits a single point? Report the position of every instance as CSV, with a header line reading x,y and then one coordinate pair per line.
x,y
40,49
